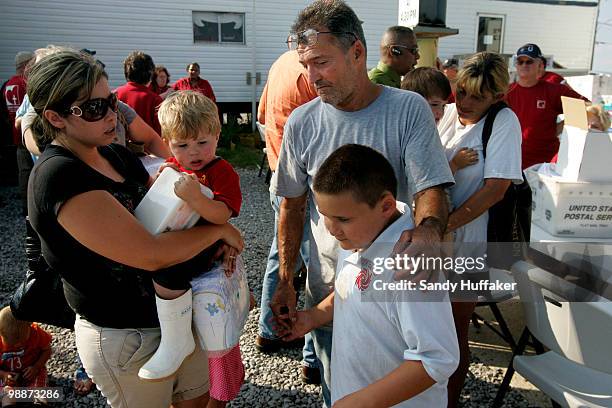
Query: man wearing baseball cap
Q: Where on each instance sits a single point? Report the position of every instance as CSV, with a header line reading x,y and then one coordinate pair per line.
x,y
537,104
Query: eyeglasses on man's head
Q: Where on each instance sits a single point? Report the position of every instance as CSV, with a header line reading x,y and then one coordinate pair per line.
x,y
309,38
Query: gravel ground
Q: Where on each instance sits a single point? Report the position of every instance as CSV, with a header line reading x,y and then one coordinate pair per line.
x,y
271,380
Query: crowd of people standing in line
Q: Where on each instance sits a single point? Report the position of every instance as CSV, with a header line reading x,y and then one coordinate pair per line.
x,y
357,162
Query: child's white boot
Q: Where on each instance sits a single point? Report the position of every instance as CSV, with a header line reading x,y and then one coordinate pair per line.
x,y
176,338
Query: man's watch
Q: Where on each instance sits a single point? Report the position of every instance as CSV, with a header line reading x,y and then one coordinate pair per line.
x,y
436,223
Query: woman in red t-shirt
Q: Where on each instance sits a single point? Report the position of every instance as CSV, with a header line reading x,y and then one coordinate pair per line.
x,y
160,81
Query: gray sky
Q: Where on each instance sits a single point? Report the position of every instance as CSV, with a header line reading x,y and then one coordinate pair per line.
x,y
602,61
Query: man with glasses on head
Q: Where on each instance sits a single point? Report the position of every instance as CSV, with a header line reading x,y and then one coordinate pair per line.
x,y
398,55
350,109
536,104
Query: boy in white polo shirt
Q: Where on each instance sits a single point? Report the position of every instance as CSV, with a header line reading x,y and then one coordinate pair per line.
x,y
390,347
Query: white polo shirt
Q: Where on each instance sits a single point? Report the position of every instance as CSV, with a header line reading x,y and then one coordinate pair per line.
x,y
372,337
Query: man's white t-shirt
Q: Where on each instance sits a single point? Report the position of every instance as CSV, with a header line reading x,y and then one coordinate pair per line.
x,y
374,336
503,161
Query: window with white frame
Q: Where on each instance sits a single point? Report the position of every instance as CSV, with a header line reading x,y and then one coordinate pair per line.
x,y
490,33
218,27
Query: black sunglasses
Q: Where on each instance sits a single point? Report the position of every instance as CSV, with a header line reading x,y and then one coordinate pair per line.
x,y
96,109
412,50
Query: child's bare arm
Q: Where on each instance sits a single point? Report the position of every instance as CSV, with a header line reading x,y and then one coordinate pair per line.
x,y
188,188
406,381
5,376
463,158
29,373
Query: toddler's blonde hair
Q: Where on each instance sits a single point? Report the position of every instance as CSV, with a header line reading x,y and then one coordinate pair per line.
x,y
13,331
184,114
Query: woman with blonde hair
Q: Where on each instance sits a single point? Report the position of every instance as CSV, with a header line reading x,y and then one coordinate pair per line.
x,y
82,194
481,85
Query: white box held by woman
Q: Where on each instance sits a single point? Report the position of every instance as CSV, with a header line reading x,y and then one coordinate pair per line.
x,y
569,208
161,210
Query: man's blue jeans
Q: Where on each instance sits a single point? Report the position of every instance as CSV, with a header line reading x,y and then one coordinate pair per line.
x,y
271,280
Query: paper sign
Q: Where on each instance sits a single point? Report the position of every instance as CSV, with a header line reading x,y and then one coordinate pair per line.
x,y
574,111
408,15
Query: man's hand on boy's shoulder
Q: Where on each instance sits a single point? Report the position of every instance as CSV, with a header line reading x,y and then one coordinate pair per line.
x,y
422,242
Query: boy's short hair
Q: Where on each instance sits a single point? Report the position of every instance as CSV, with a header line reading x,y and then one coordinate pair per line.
x,y
427,82
13,331
360,170
183,114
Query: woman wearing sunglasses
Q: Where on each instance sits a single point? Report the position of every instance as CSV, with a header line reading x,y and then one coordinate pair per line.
x,y
130,127
82,194
481,84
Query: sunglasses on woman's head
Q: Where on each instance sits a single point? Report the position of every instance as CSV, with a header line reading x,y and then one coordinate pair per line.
x,y
95,109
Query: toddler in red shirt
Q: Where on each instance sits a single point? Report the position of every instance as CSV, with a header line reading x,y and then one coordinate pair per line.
x,y
25,349
190,125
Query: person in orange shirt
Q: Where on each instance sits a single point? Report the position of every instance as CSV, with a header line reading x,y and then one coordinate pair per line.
x,y
287,88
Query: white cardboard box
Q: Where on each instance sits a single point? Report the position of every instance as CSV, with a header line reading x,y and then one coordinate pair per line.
x,y
161,210
584,155
568,208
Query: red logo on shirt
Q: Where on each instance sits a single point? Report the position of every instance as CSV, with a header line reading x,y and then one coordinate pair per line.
x,y
540,104
364,278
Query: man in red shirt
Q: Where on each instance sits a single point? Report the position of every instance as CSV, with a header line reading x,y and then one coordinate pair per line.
x,y
537,104
138,68
13,93
193,82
